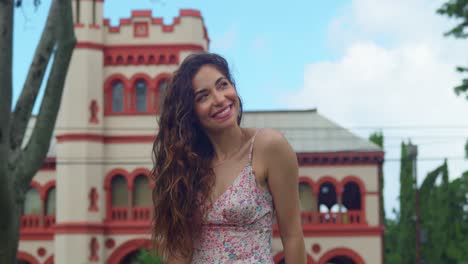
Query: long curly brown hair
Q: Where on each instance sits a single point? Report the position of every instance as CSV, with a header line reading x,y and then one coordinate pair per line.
x,y
182,155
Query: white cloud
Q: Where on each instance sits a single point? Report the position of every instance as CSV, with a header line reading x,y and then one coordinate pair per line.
x,y
394,68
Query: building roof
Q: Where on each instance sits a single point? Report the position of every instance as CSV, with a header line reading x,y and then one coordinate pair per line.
x,y
306,130
309,131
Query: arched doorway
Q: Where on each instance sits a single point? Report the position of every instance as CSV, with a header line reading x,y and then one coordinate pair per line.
x,y
341,256
340,260
128,250
131,257
25,258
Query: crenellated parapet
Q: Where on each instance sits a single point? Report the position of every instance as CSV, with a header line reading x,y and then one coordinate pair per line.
x,y
142,28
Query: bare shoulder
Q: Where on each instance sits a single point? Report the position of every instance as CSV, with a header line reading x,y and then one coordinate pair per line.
x,y
271,140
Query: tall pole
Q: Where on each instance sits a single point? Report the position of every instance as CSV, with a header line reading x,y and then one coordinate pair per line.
x,y
413,154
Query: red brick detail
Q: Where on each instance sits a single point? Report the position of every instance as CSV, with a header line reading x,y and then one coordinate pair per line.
x,y
93,250
341,252
340,158
48,165
26,257
337,230
316,248
127,247
140,30
89,45
146,54
41,252
93,200
50,260
93,111
141,13
110,243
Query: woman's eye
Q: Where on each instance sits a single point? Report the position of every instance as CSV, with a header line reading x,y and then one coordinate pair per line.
x,y
201,97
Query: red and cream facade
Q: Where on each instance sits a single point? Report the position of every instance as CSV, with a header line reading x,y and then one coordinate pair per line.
x,y
91,201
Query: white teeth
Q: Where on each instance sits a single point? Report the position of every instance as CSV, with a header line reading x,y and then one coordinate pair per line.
x,y
224,111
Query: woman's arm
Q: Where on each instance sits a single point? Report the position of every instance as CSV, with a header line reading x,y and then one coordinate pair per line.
x,y
282,175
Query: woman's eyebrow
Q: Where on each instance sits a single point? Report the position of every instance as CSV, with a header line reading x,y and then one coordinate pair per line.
x,y
219,80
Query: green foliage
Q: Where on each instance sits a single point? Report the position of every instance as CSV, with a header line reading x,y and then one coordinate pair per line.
x,y
391,255
458,9
406,246
146,257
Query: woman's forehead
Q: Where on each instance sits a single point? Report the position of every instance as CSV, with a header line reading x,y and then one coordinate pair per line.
x,y
206,76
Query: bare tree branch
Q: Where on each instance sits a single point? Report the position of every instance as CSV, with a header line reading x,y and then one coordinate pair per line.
x,y
35,152
32,85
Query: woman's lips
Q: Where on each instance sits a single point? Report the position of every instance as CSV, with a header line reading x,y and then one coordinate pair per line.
x,y
223,114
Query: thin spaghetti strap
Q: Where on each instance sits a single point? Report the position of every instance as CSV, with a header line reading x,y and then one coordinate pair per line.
x,y
251,146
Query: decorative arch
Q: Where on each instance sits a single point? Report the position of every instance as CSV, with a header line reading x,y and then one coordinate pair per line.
x,y
127,247
327,179
46,188
307,196
341,252
280,256
110,175
357,180
155,93
135,173
132,90
305,179
35,184
27,257
108,91
361,213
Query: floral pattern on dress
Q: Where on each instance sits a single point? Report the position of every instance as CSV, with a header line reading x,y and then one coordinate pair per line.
x,y
238,226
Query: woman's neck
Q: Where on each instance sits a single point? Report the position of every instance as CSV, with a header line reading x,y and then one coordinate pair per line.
x,y
227,143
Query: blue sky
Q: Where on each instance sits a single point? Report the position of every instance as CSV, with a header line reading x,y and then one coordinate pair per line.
x,y
366,64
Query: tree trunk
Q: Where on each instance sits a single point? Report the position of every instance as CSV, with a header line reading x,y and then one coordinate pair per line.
x,y
18,166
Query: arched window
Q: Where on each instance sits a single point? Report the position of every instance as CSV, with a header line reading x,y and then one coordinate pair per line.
x,y
119,191
351,198
162,86
32,202
50,202
117,97
327,196
142,192
306,197
140,95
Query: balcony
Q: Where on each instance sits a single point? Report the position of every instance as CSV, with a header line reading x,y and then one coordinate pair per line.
x,y
37,227
125,214
330,218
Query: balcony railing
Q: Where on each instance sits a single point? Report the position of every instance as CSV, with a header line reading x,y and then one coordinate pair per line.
x,y
31,221
49,221
141,213
125,214
119,214
330,218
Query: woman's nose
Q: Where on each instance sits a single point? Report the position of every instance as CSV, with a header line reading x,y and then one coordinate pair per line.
x,y
218,97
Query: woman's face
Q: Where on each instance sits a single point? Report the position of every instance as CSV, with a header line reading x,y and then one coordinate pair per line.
x,y
215,99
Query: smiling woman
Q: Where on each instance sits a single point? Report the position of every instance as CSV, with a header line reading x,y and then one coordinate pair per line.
x,y
219,185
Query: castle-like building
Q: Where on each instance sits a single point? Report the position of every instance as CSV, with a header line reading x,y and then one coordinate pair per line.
x,y
91,200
